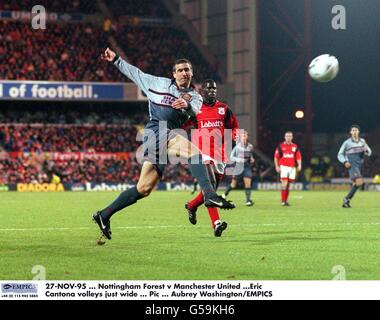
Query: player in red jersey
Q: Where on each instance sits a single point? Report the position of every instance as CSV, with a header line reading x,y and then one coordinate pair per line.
x,y
212,120
287,158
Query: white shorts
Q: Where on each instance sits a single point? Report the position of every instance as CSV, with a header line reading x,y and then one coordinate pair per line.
x,y
288,173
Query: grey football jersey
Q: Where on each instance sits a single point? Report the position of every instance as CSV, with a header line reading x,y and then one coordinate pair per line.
x,y
353,151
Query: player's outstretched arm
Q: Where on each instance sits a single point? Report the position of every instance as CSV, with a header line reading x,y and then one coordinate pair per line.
x,y
108,55
143,80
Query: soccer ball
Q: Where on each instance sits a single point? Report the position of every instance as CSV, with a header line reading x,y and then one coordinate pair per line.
x,y
324,68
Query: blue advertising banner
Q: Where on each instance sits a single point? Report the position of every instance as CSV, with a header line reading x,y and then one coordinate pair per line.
x,y
41,90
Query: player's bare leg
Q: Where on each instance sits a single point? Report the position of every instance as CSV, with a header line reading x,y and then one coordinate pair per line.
x,y
149,177
179,146
247,188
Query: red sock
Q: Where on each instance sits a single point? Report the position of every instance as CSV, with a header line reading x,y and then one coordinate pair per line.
x,y
287,195
214,215
196,202
283,195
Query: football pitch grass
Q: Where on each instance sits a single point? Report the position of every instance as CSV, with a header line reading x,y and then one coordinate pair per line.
x,y
153,240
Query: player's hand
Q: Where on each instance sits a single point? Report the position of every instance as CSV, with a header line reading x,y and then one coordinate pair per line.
x,y
180,103
108,55
277,169
347,165
299,168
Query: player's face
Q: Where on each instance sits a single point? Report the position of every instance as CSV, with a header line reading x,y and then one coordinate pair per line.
x,y
210,91
289,137
244,138
355,133
183,74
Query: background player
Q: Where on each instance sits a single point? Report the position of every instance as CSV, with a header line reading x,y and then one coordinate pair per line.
x,y
213,118
171,101
286,158
351,154
243,153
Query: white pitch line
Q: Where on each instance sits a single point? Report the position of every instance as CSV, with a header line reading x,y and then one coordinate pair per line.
x,y
86,228
204,226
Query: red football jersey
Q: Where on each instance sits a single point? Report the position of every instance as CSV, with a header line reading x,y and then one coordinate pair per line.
x,y
288,155
209,135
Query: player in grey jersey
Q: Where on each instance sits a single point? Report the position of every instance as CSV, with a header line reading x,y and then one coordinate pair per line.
x,y
171,102
351,154
243,153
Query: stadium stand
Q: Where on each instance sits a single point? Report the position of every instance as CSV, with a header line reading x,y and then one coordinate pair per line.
x,y
75,6
69,138
141,8
69,52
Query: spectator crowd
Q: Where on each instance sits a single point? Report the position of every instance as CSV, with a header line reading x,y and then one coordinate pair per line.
x,y
62,52
71,51
68,138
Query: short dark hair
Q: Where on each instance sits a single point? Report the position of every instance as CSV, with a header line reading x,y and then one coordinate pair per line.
x,y
206,81
355,126
180,61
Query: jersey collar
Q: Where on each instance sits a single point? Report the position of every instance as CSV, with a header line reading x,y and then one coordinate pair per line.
x,y
210,105
173,82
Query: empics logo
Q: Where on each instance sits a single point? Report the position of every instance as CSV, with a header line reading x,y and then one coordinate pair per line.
x,y
19,288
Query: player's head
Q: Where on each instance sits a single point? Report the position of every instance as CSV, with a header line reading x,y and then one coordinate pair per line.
x,y
288,136
355,131
183,72
243,136
209,91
